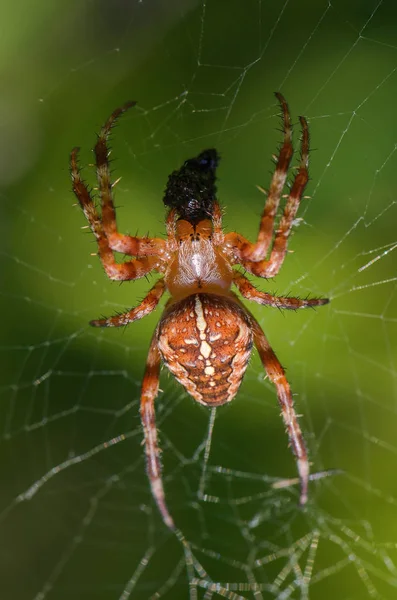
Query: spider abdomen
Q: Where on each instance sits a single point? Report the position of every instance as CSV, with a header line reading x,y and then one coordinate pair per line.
x,y
206,340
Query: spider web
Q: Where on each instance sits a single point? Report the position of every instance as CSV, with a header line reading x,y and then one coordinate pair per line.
x,y
77,516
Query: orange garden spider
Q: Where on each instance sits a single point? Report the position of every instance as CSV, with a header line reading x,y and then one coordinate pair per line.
x,y
205,335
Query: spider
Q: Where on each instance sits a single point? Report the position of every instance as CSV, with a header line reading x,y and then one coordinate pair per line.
x,y
205,334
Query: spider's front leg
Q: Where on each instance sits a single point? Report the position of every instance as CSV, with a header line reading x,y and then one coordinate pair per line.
x,y
258,251
127,244
148,250
132,269
277,376
253,256
270,267
101,152
150,388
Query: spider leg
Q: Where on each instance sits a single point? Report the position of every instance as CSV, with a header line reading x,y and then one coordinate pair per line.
x,y
133,246
270,268
103,172
150,387
252,256
147,306
132,269
277,376
258,251
250,292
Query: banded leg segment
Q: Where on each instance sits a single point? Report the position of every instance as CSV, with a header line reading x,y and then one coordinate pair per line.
x,y
258,251
270,268
277,376
250,292
127,244
103,172
253,256
150,387
132,269
148,304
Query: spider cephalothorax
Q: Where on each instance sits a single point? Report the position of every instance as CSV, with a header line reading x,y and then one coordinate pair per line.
x,y
205,334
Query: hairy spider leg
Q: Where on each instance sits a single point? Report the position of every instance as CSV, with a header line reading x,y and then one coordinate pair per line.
x,y
157,254
127,244
270,268
250,292
277,376
258,251
253,255
103,172
150,388
148,304
132,269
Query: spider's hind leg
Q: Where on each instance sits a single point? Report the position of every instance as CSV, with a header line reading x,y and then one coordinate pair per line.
x,y
150,388
277,376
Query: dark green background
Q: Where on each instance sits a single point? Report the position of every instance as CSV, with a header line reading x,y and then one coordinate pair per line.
x,y
203,76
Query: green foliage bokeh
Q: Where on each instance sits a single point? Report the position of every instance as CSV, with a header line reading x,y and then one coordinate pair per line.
x,y
203,76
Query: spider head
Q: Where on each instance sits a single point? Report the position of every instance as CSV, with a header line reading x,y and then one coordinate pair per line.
x,y
191,189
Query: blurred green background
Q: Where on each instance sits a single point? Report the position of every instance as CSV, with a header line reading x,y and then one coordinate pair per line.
x,y
203,74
